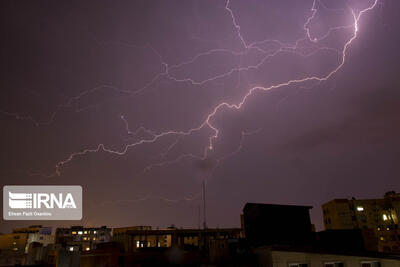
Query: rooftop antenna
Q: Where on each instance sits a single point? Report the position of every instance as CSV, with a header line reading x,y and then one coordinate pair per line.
x,y
204,205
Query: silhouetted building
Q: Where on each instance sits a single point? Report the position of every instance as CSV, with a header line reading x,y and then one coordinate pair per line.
x,y
269,224
82,238
14,247
177,238
340,240
143,246
377,215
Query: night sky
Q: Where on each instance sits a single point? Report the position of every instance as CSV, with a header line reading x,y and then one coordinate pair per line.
x,y
124,98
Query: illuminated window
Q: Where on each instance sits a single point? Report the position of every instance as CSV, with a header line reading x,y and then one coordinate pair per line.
x,y
15,248
94,232
71,248
94,238
382,238
87,249
137,244
379,228
85,232
80,232
385,217
387,228
84,238
360,208
73,232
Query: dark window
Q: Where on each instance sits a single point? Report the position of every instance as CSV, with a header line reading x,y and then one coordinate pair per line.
x,y
371,264
334,264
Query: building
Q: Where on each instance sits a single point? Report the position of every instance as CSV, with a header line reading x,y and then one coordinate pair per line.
x,y
121,236
379,216
270,224
295,257
351,240
33,229
82,238
16,246
40,254
192,239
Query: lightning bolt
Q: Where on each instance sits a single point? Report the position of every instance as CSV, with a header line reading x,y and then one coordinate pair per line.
x,y
136,136
218,162
147,198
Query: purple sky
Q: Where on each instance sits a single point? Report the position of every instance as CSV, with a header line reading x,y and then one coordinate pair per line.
x,y
124,98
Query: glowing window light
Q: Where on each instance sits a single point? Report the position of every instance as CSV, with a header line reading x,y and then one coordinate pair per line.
x,y
71,248
359,208
87,249
385,217
80,232
73,232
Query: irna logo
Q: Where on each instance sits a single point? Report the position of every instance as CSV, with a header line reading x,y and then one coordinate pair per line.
x,y
40,200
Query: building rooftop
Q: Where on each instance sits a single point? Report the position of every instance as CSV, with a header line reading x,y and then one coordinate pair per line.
x,y
318,250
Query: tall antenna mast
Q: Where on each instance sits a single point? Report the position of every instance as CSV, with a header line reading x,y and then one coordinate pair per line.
x,y
204,205
198,217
